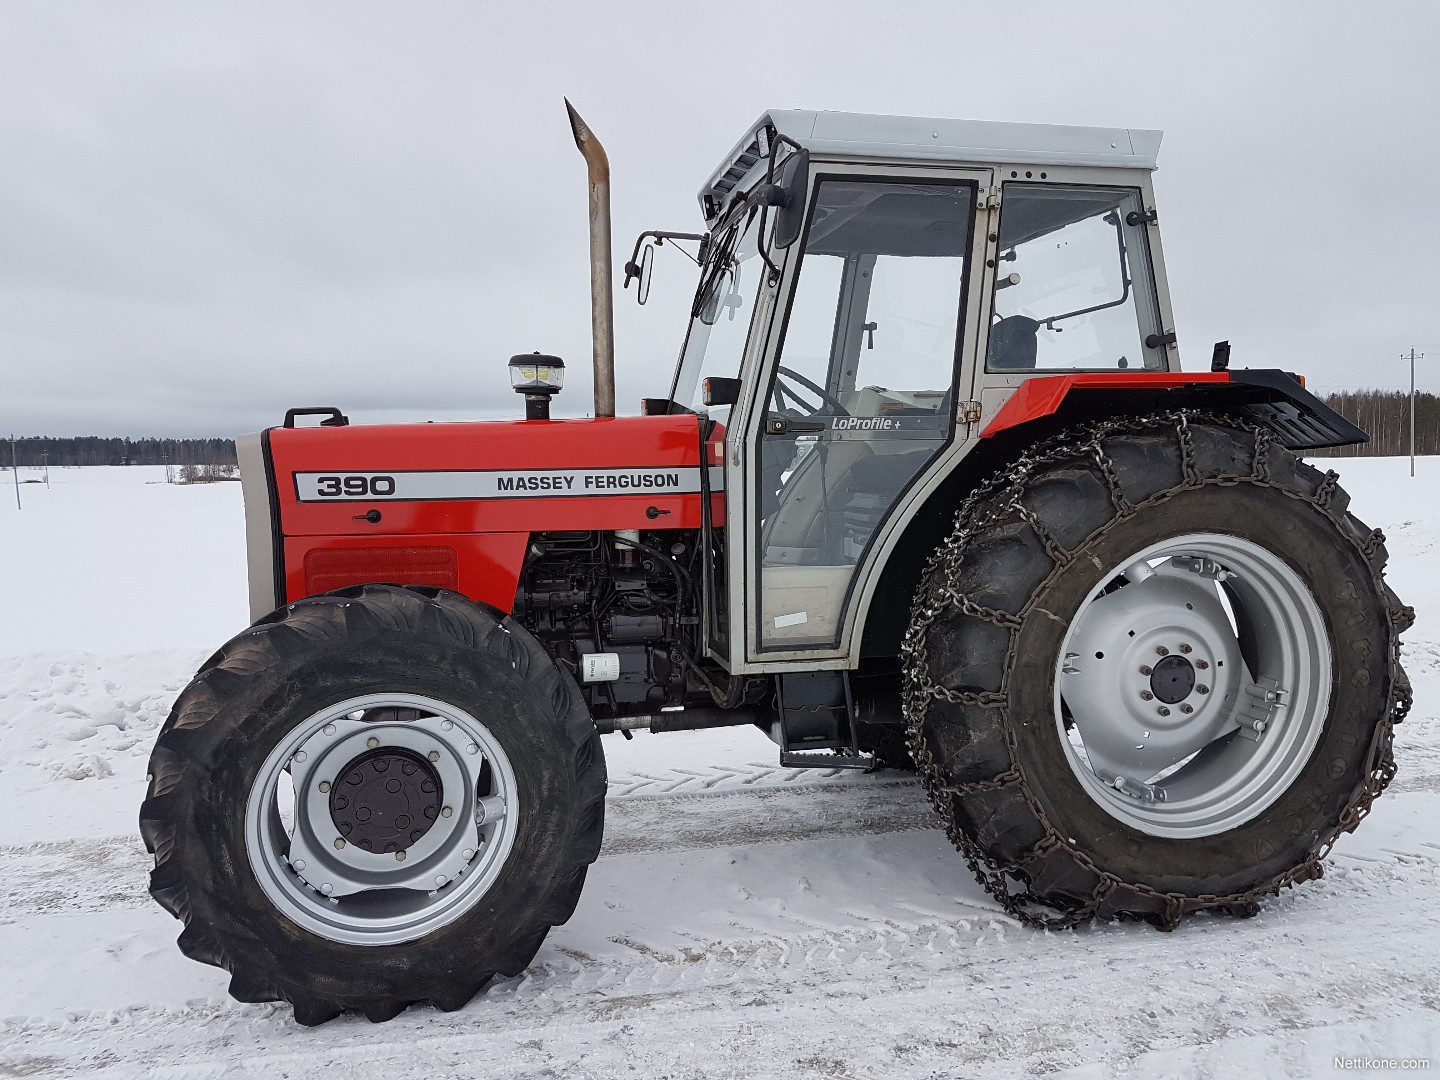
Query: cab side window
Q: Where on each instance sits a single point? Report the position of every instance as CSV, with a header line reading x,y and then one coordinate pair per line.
x,y
1073,283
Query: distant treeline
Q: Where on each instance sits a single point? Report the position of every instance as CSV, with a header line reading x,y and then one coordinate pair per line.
x,y
94,450
1385,416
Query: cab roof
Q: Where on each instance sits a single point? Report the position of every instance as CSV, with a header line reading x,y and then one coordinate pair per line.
x,y
863,136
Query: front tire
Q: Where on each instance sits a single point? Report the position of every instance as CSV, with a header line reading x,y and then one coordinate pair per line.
x,y
373,798
1065,643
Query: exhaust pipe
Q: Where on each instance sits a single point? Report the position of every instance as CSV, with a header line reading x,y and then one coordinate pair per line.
x,y
602,297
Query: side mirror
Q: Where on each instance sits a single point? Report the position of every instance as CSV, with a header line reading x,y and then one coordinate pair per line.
x,y
720,391
790,216
647,263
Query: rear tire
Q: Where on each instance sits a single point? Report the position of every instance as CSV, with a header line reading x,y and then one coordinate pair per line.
x,y
997,727
489,716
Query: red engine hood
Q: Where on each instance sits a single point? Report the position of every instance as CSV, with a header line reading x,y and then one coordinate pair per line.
x,y
493,476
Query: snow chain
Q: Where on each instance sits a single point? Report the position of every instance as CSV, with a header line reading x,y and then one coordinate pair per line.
x,y
932,600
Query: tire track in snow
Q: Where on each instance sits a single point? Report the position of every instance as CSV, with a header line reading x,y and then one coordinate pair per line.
x,y
1030,1007
88,875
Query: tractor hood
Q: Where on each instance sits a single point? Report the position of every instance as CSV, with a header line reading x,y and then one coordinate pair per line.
x,y
462,498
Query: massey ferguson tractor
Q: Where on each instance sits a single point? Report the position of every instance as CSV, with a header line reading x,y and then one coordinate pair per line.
x,y
929,489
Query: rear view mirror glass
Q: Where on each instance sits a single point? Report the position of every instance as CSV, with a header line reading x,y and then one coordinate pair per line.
x,y
647,263
790,218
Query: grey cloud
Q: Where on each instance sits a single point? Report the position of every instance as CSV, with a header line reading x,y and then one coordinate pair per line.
x,y
210,212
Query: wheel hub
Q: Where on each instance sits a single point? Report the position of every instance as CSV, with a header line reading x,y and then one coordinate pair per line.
x,y
385,800
1172,680
1192,684
403,812
1153,674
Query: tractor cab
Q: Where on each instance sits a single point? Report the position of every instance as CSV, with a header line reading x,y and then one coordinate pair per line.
x,y
873,291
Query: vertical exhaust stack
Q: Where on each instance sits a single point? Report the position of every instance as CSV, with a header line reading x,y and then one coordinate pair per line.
x,y
602,298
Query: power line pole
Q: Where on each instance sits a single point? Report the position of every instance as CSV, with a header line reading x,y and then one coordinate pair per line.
x,y
15,470
1413,357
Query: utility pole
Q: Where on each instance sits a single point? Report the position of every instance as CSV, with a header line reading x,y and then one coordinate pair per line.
x,y
15,470
45,457
1413,357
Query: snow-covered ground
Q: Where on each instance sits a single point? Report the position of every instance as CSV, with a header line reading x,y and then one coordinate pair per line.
x,y
743,920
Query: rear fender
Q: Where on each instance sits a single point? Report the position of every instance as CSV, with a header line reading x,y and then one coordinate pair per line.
x,y
1045,406
1271,399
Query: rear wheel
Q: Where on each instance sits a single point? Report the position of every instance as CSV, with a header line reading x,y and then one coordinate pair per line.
x,y
374,798
1154,670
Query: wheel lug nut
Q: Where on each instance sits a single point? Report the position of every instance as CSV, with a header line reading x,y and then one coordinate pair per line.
x,y
434,755
339,842
324,786
446,725
399,856
372,742
1187,708
1146,695
329,729
1202,689
1161,650
1202,664
1144,669
445,811
1185,648
1163,711
473,748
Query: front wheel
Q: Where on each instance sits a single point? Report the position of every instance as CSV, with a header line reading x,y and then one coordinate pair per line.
x,y
1154,670
373,798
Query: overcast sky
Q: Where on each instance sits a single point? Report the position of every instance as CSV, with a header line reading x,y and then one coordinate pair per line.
x,y
210,212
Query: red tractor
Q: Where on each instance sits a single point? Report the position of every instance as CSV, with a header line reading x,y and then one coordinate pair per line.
x,y
929,489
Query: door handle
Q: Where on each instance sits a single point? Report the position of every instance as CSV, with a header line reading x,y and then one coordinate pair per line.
x,y
783,425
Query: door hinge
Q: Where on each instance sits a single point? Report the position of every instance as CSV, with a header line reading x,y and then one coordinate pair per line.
x,y
968,412
987,198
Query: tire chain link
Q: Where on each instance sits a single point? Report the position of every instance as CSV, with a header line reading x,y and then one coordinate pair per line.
x,y
999,878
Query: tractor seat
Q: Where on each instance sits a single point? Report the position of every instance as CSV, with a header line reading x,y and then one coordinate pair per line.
x,y
1013,344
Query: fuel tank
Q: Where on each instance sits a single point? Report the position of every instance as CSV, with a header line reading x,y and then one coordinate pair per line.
x,y
454,504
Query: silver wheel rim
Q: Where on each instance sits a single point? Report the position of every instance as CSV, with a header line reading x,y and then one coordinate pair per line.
x,y
1193,685
413,885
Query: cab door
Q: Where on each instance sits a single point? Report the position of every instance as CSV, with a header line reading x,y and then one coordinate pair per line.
x,y
859,395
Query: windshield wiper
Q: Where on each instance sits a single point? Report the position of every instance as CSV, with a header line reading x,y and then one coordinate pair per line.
x,y
717,266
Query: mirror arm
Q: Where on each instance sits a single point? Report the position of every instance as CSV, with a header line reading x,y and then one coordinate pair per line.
x,y
632,268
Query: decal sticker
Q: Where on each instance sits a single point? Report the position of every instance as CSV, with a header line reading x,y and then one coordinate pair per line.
x,y
500,484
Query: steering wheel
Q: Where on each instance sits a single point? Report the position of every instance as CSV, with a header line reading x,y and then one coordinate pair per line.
x,y
784,373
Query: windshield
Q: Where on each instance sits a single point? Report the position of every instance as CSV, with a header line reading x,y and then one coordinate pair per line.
x,y
720,317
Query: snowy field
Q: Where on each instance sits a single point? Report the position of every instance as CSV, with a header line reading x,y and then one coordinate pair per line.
x,y
742,920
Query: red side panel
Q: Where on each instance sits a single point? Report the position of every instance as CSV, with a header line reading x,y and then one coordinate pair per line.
x,y
483,566
439,508
1043,394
